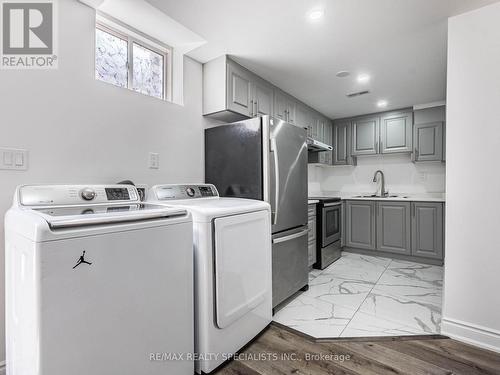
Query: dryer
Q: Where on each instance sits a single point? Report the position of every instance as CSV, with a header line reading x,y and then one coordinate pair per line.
x,y
233,265
97,282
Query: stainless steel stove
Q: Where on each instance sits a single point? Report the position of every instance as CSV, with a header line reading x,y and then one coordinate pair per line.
x,y
329,230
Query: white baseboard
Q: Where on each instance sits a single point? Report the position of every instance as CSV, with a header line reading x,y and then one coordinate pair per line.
x,y
483,337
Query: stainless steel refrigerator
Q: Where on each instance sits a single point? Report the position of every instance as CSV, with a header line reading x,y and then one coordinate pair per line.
x,y
265,158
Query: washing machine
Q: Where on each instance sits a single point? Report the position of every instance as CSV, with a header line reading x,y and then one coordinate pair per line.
x,y
233,265
97,283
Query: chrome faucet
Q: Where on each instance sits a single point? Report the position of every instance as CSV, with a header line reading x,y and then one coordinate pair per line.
x,y
383,193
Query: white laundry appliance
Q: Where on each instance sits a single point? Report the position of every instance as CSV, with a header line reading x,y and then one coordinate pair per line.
x,y
233,265
97,283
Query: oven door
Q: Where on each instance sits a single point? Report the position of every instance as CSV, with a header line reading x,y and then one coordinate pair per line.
x,y
331,223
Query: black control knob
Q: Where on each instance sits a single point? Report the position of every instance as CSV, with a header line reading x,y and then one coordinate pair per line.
x,y
88,194
190,192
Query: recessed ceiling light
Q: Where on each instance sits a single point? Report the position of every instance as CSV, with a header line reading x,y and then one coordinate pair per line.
x,y
316,14
343,73
382,103
363,78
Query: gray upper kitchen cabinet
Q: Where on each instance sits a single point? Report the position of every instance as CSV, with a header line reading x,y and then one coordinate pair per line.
x,y
444,141
239,90
321,131
233,93
328,139
360,224
396,132
284,106
394,227
342,143
305,119
428,142
280,105
427,229
262,98
365,136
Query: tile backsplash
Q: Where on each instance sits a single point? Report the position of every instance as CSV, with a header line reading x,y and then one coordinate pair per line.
x,y
401,175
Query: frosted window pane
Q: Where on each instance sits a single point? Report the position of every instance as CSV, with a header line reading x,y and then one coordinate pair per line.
x,y
111,58
147,77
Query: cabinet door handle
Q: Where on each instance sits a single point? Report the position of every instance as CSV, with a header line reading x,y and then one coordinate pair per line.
x,y
416,154
256,112
251,108
376,147
381,146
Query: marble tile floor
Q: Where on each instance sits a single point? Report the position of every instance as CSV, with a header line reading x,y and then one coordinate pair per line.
x,y
360,296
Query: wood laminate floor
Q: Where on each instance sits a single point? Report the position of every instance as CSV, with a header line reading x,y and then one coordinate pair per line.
x,y
280,350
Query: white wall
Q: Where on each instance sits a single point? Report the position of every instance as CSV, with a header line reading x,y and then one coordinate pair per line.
x,y
79,130
472,267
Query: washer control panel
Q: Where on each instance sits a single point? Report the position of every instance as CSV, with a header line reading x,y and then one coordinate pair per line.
x,y
62,195
178,192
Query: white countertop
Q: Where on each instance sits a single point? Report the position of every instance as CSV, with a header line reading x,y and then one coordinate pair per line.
x,y
312,201
402,197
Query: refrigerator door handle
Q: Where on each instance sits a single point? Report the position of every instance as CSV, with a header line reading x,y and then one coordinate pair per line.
x,y
291,236
274,150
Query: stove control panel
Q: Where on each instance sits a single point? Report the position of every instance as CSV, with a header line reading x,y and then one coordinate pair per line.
x,y
178,192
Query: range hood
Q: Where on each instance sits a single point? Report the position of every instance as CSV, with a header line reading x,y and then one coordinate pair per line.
x,y
317,146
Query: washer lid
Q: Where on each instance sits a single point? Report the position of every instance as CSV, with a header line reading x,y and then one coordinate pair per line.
x,y
76,216
208,209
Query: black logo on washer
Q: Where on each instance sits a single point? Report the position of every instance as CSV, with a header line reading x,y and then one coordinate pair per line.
x,y
82,260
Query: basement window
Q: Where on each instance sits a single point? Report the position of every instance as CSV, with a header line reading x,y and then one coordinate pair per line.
x,y
129,59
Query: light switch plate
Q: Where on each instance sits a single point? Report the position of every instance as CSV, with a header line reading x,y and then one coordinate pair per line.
x,y
154,160
13,159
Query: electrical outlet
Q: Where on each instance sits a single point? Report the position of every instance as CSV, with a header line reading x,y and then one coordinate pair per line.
x,y
13,159
154,160
422,176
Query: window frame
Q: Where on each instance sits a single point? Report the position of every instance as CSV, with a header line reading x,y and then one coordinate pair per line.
x,y
131,36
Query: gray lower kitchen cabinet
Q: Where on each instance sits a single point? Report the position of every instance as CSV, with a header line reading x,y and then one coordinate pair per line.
x,y
342,144
428,142
365,136
394,227
427,229
396,132
360,224
312,223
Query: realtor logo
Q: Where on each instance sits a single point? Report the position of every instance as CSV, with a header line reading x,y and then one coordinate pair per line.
x,y
28,35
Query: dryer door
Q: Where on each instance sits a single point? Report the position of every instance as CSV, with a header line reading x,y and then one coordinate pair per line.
x,y
242,265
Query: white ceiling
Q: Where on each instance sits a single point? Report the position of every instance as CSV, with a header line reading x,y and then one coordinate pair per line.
x,y
400,43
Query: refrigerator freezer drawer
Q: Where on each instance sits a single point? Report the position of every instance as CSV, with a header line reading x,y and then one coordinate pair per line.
x,y
290,263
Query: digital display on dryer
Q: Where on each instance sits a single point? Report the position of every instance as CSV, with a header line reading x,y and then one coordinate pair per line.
x,y
206,191
117,194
